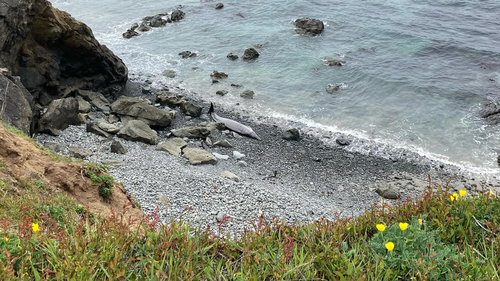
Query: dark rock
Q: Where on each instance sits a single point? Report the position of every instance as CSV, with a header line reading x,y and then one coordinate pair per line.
x,y
333,61
134,26
96,99
187,54
130,33
144,27
138,109
232,56
215,81
247,94
95,129
192,132
118,147
250,54
292,134
236,85
157,21
342,141
334,88
219,6
60,114
177,15
15,103
309,26
489,109
190,109
221,92
218,75
79,152
137,130
493,119
55,54
388,192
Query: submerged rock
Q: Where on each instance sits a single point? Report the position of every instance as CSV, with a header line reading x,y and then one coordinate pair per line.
x,y
329,61
218,75
334,88
130,33
169,73
232,56
308,26
219,6
187,54
247,94
250,54
221,92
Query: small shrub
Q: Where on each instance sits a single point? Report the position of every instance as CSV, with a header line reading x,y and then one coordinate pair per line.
x,y
38,183
105,192
3,184
104,181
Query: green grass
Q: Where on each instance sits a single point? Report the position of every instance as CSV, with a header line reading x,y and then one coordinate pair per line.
x,y
457,240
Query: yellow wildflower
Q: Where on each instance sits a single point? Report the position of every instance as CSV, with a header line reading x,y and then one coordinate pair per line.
x,y
380,227
420,221
403,226
389,246
455,195
491,193
462,192
35,227
452,198
6,239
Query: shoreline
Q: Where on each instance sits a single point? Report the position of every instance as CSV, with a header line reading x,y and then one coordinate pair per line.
x,y
298,181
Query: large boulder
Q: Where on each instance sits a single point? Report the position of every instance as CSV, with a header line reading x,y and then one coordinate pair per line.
x,y
136,130
59,115
192,132
250,54
177,15
138,109
15,103
54,54
309,26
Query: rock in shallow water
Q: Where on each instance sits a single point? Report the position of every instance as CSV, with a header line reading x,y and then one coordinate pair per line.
x,y
218,75
219,6
250,54
308,26
248,94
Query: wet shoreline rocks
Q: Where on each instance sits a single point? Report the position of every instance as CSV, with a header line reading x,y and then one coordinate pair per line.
x,y
309,26
149,22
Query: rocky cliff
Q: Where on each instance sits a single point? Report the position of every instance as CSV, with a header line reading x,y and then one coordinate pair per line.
x,y
53,54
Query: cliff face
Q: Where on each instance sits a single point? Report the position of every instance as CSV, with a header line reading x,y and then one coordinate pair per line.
x,y
54,54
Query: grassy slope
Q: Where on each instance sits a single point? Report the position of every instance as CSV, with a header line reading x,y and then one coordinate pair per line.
x,y
457,240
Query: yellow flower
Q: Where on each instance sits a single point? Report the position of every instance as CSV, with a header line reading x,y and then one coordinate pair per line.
x,y
6,239
455,195
420,221
389,246
491,193
452,198
403,226
462,192
35,227
380,227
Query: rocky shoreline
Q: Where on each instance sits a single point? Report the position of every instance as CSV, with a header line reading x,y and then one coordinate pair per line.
x,y
243,178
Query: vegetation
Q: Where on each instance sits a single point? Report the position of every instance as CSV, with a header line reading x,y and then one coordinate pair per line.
x,y
438,237
98,176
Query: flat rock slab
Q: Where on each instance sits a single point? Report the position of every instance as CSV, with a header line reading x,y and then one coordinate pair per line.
x,y
173,146
229,175
198,156
96,99
136,130
138,109
192,132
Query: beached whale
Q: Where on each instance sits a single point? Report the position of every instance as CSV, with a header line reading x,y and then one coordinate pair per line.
x,y
233,125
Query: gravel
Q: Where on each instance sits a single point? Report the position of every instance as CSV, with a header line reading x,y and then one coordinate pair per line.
x,y
298,181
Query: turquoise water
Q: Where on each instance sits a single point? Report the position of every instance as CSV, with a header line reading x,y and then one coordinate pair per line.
x,y
416,72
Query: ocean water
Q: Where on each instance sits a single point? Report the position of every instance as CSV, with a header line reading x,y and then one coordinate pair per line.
x,y
416,72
